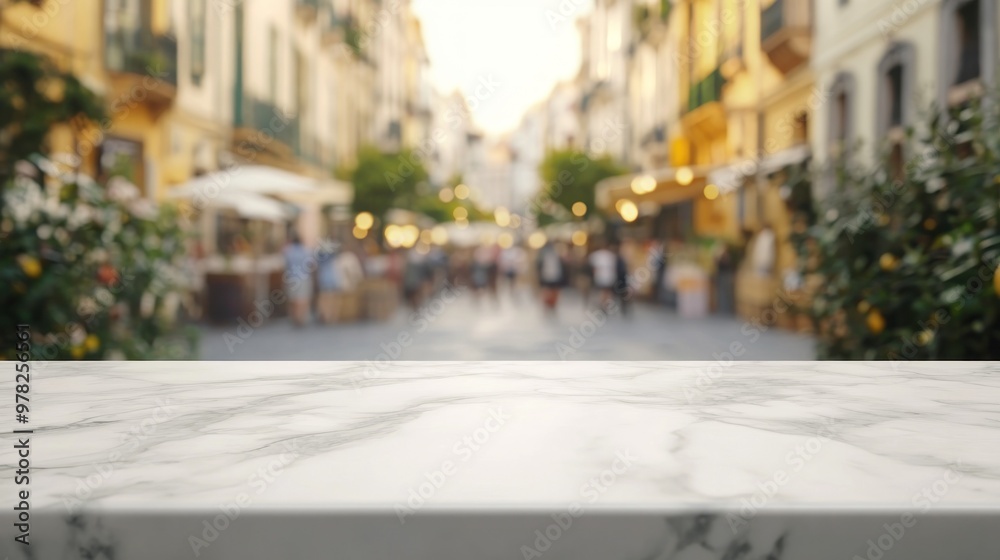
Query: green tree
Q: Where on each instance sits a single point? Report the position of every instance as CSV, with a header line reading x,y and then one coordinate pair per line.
x,y
386,180
906,258
570,176
432,207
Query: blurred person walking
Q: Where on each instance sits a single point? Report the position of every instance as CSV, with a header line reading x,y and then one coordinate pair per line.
x,y
438,260
416,275
622,289
484,270
604,264
511,266
725,280
329,284
298,279
350,277
552,274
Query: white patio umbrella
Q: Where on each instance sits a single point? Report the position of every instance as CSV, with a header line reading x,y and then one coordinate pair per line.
x,y
257,179
252,206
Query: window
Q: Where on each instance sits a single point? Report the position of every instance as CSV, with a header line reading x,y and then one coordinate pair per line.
x,y
301,84
895,95
840,131
968,54
123,157
272,66
967,27
196,11
895,77
840,118
800,132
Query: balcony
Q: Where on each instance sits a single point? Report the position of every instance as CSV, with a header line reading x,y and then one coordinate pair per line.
x,y
785,34
334,29
708,90
706,116
307,9
260,124
142,59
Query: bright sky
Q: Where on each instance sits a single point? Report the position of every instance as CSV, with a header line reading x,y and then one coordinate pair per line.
x,y
525,46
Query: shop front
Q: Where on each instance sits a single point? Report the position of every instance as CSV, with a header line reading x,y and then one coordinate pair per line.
x,y
678,223
243,217
770,201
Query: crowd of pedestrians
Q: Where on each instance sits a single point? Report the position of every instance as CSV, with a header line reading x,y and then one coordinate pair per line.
x,y
359,282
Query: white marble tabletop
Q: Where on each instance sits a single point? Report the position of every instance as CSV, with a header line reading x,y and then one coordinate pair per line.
x,y
414,436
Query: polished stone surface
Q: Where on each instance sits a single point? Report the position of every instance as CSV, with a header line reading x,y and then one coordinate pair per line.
x,y
704,456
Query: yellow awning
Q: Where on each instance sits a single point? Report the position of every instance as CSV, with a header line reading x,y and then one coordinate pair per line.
x,y
668,188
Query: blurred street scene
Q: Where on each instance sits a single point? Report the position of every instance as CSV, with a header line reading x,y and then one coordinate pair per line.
x,y
458,324
305,179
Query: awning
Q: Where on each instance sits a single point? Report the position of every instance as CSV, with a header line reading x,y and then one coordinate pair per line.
x,y
326,193
258,179
668,190
251,206
780,160
731,177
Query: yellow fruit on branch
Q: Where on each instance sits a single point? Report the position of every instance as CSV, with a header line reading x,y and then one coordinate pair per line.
x,y
31,267
888,262
925,337
876,322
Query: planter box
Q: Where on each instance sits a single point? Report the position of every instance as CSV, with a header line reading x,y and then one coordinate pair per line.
x,y
380,297
349,306
226,298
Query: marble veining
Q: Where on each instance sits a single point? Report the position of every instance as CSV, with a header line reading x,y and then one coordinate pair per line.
x,y
631,461
356,434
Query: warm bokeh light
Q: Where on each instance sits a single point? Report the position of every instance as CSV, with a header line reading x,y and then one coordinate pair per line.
x,y
711,191
502,216
537,240
629,211
393,235
579,238
505,240
637,185
685,176
446,195
360,233
425,237
364,220
409,235
643,184
462,223
460,213
579,209
439,235
462,191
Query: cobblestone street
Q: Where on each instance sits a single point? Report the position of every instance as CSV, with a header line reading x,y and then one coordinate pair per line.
x,y
515,328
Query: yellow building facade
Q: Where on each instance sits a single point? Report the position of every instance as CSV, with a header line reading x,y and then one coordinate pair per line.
x,y
746,96
156,128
